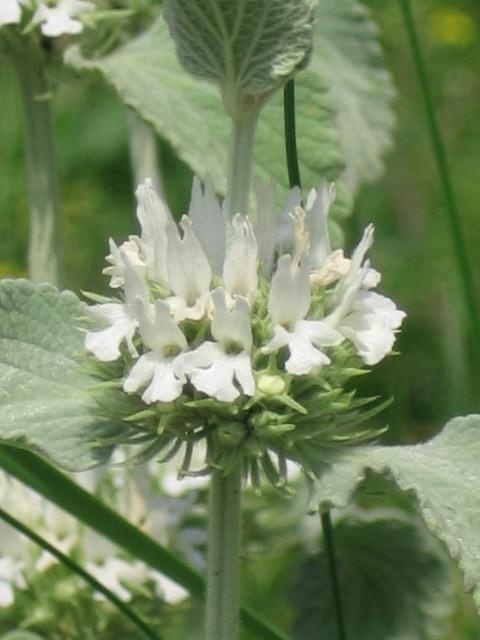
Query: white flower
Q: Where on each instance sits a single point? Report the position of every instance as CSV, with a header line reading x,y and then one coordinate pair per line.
x,y
240,267
11,11
364,317
208,222
154,217
131,250
189,272
266,223
223,369
162,367
11,576
118,575
121,318
60,20
288,304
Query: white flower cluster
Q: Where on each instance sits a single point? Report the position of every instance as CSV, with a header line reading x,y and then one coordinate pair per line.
x,y
205,301
55,19
163,518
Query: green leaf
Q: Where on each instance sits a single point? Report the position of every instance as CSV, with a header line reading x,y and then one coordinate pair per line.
x,y
247,47
443,475
344,104
349,60
55,486
395,582
45,404
188,113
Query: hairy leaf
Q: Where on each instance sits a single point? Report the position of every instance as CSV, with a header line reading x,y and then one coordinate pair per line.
x,y
44,400
247,47
189,114
344,103
395,582
443,475
349,60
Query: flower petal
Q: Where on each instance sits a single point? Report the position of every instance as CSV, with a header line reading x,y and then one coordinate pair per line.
x,y
304,356
317,208
289,298
154,217
105,344
10,12
214,372
371,326
59,20
160,372
240,268
266,223
231,325
208,222
162,333
189,272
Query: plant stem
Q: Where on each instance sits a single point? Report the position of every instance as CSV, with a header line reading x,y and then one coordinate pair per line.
x,y
291,149
293,166
42,175
76,568
241,162
143,150
453,213
223,572
332,565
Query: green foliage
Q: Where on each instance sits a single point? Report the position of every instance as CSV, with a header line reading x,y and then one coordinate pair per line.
x,y
395,583
248,48
443,475
349,60
188,113
331,94
44,398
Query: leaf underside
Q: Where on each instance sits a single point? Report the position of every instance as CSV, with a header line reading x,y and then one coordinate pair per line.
x,y
394,579
443,477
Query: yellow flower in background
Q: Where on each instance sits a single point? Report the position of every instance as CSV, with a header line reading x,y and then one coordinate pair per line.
x,y
452,27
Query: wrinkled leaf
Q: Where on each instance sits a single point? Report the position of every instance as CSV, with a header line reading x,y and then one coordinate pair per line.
x,y
45,404
443,475
247,47
394,579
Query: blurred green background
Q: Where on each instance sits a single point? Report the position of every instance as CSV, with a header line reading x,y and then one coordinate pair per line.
x,y
435,377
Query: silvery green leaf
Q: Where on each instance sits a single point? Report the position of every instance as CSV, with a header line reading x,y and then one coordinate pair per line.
x,y
45,404
395,582
349,60
345,95
188,112
443,475
246,47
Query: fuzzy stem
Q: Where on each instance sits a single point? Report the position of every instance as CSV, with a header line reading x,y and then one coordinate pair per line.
x,y
143,150
223,571
241,162
42,175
